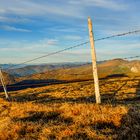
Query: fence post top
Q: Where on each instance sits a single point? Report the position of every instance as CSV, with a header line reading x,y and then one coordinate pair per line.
x,y
90,20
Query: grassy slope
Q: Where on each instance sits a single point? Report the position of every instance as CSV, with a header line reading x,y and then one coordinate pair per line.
x,y
9,79
68,111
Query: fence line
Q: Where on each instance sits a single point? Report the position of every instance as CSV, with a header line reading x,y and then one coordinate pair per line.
x,y
65,49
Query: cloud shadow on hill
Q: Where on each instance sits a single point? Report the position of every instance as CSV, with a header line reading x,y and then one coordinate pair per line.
x,y
33,83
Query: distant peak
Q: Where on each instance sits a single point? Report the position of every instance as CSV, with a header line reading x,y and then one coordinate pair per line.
x,y
118,59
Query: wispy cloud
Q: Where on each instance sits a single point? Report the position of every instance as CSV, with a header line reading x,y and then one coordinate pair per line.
x,y
24,45
17,51
108,4
42,44
32,8
72,37
116,48
69,8
57,24
14,19
11,28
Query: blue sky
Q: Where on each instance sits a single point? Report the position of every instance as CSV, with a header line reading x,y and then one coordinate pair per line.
x,y
31,28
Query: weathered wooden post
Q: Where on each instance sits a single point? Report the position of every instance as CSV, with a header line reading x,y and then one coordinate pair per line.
x,y
94,65
3,84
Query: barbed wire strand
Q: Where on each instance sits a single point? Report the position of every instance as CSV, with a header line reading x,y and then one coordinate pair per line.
x,y
118,35
84,43
125,58
50,54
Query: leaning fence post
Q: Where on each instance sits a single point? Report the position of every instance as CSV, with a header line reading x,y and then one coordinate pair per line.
x,y
3,84
94,65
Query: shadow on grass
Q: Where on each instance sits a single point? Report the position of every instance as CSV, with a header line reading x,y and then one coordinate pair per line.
x,y
104,128
116,76
117,90
48,99
106,98
33,123
128,130
136,98
43,118
78,136
39,83
32,84
130,125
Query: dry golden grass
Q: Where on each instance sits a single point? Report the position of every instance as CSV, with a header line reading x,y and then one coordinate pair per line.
x,y
69,112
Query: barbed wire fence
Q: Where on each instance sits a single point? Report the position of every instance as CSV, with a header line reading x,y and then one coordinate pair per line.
x,y
64,50
78,45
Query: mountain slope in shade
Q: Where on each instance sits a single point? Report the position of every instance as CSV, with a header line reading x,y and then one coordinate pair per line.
x,y
8,79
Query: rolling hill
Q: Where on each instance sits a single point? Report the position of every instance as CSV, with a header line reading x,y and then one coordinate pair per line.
x,y
33,69
72,72
9,79
84,72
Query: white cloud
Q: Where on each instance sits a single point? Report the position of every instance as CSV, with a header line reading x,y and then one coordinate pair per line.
x,y
48,42
68,8
108,4
22,50
14,19
63,13
116,48
11,28
73,37
32,8
64,29
2,11
26,46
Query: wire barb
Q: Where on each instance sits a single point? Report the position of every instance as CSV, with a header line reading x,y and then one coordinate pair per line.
x,y
125,58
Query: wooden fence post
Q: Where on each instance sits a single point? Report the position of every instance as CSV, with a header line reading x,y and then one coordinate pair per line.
x,y
94,65
3,84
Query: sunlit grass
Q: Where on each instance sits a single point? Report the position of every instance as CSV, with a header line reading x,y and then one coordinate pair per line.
x,y
68,111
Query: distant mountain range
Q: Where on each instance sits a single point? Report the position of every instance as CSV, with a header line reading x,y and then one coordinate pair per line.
x,y
72,71
84,71
5,66
34,69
